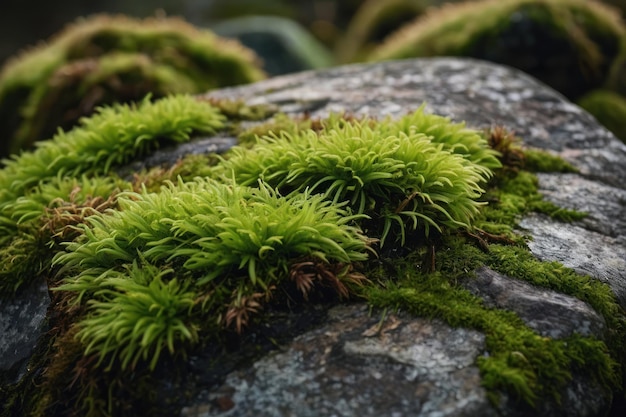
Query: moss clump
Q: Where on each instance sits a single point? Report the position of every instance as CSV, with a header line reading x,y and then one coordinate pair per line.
x,y
518,361
416,173
34,185
568,44
609,108
106,59
114,136
221,235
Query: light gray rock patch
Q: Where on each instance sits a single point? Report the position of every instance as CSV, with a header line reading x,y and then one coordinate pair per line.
x,y
549,313
585,251
411,367
604,204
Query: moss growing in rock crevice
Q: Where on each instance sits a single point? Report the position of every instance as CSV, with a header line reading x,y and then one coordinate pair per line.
x,y
517,361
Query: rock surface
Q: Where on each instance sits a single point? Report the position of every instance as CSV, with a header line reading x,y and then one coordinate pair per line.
x,y
547,312
425,368
22,322
354,364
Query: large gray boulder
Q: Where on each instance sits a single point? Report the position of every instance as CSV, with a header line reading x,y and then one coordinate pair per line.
x,y
347,361
420,367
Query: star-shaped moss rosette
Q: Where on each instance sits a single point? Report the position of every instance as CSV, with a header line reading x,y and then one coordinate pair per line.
x,y
418,173
108,59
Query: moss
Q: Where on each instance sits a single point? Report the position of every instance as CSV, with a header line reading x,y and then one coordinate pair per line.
x,y
34,183
518,361
146,275
108,59
536,160
114,136
568,44
415,173
609,108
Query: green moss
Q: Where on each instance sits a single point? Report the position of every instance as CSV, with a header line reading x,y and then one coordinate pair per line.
x,y
536,160
518,360
44,216
40,192
609,108
415,173
568,44
105,59
139,296
114,136
170,265
515,194
216,233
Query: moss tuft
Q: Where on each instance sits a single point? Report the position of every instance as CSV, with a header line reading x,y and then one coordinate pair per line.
x,y
416,173
149,269
113,137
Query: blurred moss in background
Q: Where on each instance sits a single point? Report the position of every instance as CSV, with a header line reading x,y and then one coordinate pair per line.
x,y
577,47
106,59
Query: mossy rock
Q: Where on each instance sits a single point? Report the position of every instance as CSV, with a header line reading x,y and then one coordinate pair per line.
x,y
568,44
161,279
609,108
108,59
